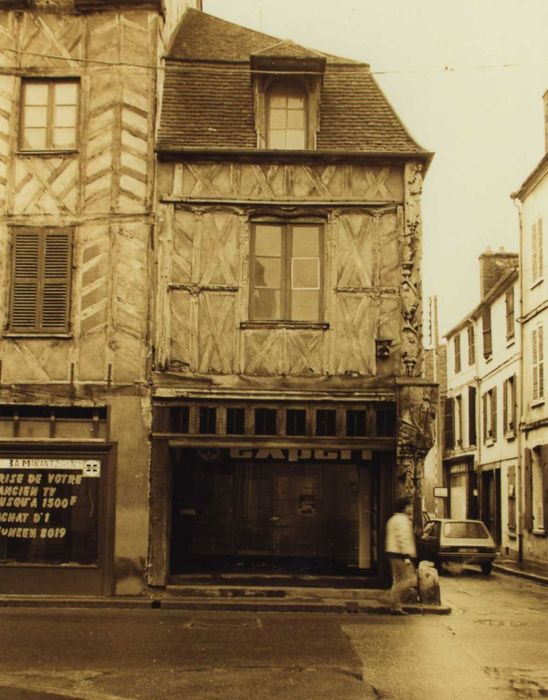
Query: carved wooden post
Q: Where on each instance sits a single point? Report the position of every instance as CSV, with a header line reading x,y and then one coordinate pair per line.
x,y
416,421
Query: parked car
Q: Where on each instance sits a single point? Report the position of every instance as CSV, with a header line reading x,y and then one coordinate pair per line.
x,y
457,541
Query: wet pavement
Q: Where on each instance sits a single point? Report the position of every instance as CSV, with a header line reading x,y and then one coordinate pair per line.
x,y
493,645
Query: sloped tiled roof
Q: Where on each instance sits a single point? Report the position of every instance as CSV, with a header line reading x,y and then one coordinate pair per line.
x,y
208,98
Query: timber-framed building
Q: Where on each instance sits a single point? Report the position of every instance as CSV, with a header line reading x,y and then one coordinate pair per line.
x,y
78,89
288,404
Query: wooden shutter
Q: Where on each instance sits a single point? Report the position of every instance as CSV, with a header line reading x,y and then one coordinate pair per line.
x,y
494,412
25,281
544,464
56,281
537,342
487,340
484,416
471,346
512,497
505,406
472,437
514,404
448,424
540,249
540,350
40,281
527,490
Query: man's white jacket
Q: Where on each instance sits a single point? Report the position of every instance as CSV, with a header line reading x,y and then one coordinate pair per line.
x,y
400,539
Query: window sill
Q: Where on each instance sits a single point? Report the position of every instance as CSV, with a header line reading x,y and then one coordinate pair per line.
x,y
50,153
536,283
510,435
510,342
488,358
294,325
537,403
489,442
539,532
36,335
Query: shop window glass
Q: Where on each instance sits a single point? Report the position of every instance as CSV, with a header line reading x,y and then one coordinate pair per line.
x,y
265,421
326,422
180,419
295,421
355,423
386,421
49,515
235,421
208,420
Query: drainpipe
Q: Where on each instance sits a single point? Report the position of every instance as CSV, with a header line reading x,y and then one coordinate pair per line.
x,y
520,502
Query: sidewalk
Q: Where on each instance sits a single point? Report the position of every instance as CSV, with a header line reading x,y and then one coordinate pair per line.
x,y
532,572
235,598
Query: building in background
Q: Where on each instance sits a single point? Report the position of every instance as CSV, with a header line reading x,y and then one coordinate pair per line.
x,y
289,406
481,408
532,200
78,90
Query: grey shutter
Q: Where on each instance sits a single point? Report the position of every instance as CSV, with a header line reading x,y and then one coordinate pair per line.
x,y
448,424
505,406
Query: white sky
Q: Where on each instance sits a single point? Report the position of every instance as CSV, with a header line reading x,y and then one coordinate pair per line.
x,y
485,124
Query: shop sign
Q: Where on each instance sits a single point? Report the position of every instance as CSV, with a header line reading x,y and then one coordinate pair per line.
x,y
88,467
299,454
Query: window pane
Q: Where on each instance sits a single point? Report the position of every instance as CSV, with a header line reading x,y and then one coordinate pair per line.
x,y
278,101
65,93
235,421
276,139
278,119
64,116
295,101
306,240
36,116
305,306
36,93
295,139
295,119
268,272
268,240
326,422
265,304
305,273
64,138
265,421
35,138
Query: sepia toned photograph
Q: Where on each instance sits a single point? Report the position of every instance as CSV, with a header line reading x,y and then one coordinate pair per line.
x,y
273,407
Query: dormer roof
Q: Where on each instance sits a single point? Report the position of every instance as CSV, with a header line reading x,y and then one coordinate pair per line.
x,y
208,98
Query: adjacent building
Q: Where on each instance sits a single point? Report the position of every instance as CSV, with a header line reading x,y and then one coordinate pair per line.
x,y
287,398
78,89
532,201
482,406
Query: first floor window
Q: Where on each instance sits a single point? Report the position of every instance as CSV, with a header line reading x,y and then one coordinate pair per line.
x,y
40,280
472,415
286,272
49,115
538,476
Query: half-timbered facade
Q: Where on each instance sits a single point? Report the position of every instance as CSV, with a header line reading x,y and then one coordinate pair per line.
x,y
78,88
288,403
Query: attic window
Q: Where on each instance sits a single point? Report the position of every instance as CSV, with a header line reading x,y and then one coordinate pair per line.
x,y
286,115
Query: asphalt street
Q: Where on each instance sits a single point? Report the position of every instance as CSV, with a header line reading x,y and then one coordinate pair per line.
x,y
493,645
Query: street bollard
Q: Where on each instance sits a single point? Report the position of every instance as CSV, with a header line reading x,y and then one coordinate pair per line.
x,y
428,583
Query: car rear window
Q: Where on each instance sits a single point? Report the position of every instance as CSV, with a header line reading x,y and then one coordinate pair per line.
x,y
461,530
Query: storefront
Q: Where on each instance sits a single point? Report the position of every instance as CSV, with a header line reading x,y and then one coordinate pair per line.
x,y
296,509
56,508
308,506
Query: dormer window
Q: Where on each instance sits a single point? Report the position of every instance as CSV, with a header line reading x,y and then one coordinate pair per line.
x,y
286,105
287,88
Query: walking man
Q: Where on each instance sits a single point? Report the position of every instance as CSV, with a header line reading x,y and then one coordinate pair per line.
x,y
400,549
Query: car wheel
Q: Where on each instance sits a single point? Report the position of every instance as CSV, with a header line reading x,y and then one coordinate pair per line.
x,y
486,567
